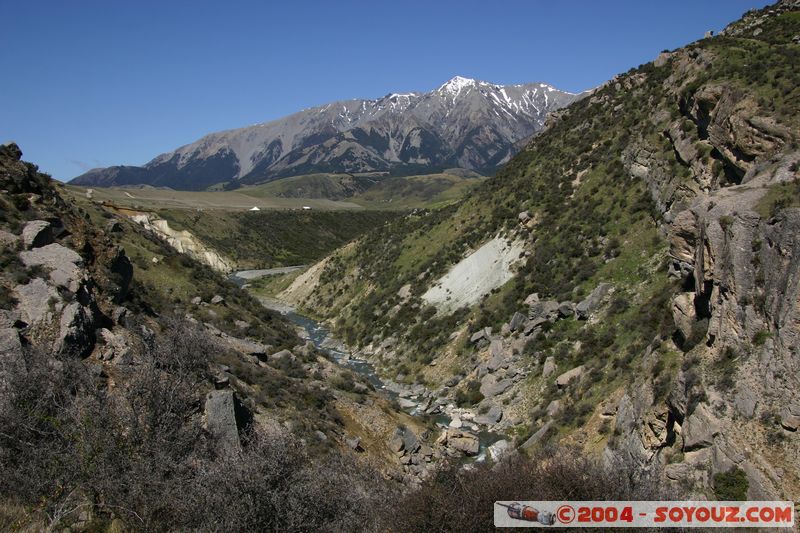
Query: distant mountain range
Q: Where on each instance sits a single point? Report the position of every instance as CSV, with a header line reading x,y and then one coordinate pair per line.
x,y
464,123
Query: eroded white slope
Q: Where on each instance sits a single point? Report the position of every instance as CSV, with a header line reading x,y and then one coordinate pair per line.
x,y
475,276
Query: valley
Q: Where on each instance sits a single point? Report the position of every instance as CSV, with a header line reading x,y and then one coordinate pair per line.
x,y
421,304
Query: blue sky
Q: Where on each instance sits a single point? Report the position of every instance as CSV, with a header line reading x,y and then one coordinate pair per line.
x,y
97,83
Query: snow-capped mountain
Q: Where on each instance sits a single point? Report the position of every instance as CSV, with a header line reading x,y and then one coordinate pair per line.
x,y
463,123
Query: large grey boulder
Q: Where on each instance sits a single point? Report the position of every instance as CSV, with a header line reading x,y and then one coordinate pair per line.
x,y
221,420
482,334
36,301
492,416
491,386
9,342
498,355
115,348
564,379
8,319
518,321
544,310
745,401
592,302
463,441
566,309
37,233
537,437
790,417
699,429
684,314
64,264
500,448
549,366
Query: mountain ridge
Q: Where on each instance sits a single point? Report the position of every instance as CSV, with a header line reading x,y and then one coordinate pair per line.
x,y
463,123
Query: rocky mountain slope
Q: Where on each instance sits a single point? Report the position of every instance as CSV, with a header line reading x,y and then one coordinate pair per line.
x,y
464,123
128,369
652,308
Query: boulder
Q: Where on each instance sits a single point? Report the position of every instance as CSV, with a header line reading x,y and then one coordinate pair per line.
x,y
221,420
684,314
518,321
553,408
500,448
217,300
64,264
354,444
37,233
592,302
410,441
491,386
549,366
566,309
537,437
498,356
8,319
483,334
34,301
282,354
492,416
564,379
405,403
524,217
247,346
745,401
396,444
699,429
9,342
531,299
116,348
790,417
76,333
196,300
463,441
455,423
119,314
544,309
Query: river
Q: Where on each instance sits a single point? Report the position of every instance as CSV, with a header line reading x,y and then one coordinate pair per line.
x,y
322,339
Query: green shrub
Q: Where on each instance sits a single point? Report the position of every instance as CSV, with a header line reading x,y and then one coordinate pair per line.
x,y
731,485
761,337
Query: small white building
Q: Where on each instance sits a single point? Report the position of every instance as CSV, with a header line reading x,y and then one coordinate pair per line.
x,y
255,208
307,208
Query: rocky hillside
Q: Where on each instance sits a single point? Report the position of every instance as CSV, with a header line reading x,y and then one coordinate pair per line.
x,y
628,283
129,372
464,123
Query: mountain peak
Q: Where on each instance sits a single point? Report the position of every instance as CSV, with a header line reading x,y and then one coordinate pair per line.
x,y
456,84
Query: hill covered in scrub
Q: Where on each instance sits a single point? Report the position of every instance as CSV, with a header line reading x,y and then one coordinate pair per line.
x,y
136,382
648,304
